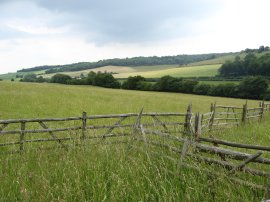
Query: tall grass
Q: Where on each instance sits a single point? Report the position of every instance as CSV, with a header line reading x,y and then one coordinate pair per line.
x,y
132,171
109,173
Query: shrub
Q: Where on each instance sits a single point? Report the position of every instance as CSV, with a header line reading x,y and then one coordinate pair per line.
x,y
132,82
202,88
61,78
253,87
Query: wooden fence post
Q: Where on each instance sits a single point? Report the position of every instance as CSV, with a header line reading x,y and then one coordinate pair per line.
x,y
22,136
244,114
212,118
262,112
84,115
198,125
187,126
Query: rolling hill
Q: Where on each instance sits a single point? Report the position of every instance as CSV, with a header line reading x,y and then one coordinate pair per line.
x,y
149,67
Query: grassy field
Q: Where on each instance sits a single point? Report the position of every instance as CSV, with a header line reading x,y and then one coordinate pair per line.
x,y
110,172
26,100
117,70
219,82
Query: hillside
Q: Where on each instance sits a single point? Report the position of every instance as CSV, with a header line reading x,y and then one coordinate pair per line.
x,y
150,71
150,67
132,62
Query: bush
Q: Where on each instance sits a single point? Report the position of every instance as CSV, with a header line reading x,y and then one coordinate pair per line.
x,y
187,86
224,90
61,78
145,86
253,87
31,77
202,89
132,82
105,80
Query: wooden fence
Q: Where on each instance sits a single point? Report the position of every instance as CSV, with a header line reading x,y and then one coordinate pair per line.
x,y
189,128
221,117
188,123
82,124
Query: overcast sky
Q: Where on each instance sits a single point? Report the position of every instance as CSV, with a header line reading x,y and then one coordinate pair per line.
x,y
47,32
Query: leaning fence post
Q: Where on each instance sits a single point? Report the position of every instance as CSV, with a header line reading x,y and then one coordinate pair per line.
x,y
212,118
198,125
84,118
187,126
244,114
22,136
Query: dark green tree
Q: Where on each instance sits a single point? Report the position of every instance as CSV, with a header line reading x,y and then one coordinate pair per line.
x,y
253,87
31,77
61,78
132,82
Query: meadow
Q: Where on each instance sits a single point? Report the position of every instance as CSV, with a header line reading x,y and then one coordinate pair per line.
x,y
110,172
29,100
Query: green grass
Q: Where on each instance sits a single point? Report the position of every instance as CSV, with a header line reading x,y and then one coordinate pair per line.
x,y
26,100
110,172
219,82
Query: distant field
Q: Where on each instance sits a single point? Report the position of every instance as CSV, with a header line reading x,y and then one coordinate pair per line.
x,y
219,60
117,70
151,71
219,82
194,71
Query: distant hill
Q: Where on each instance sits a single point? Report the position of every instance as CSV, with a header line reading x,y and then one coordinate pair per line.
x,y
131,62
200,65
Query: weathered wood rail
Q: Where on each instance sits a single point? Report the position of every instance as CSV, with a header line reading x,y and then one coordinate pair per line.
x,y
83,125
219,117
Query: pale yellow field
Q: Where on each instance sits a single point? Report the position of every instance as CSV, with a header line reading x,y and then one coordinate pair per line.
x,y
151,71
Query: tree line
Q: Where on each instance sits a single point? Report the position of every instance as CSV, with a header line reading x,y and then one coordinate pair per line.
x,y
251,65
254,87
135,61
96,79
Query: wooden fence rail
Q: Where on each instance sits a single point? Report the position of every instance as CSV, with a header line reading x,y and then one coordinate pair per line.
x,y
85,125
220,116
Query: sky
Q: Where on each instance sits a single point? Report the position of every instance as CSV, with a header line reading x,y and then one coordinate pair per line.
x,y
51,32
